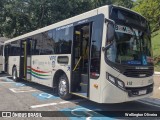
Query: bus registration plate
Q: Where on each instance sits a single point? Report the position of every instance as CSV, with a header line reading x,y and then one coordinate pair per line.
x,y
141,92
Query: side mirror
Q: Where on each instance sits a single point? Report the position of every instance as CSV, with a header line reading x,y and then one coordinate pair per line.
x,y
110,32
107,47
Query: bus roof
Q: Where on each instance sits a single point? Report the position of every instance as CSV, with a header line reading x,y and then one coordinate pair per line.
x,y
121,7
59,24
67,21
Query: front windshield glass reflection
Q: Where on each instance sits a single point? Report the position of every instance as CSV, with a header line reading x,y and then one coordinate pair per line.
x,y
130,48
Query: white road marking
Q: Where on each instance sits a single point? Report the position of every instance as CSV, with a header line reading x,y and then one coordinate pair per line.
x,y
43,105
53,104
148,103
64,102
22,89
12,90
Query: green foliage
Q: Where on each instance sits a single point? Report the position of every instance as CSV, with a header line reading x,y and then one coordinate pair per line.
x,y
156,49
124,3
151,10
21,16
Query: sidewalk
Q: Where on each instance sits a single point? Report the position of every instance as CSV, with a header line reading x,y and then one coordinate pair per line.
x,y
155,98
156,90
157,73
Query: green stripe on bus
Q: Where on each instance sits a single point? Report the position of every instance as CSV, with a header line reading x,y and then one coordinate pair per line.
x,y
36,73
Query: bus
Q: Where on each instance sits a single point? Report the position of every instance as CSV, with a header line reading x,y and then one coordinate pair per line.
x,y
1,57
103,55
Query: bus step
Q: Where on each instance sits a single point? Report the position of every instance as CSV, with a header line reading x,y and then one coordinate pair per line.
x,y
84,87
81,94
84,78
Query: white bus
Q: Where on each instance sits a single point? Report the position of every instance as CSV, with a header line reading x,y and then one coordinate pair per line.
x,y
103,55
1,57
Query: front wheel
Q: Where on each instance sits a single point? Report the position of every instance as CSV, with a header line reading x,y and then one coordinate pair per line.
x,y
14,74
63,88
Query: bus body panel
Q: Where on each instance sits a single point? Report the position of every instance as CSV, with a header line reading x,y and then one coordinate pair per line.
x,y
112,94
95,92
13,61
44,67
1,63
1,57
136,82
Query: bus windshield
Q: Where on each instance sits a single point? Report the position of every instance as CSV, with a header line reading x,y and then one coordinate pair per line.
x,y
132,50
132,46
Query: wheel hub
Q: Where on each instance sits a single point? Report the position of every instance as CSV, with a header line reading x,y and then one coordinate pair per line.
x,y
14,75
62,87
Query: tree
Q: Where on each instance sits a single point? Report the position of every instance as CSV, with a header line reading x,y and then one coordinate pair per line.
x,y
22,16
151,10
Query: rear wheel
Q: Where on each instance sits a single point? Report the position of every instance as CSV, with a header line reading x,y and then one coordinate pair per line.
x,y
14,74
63,88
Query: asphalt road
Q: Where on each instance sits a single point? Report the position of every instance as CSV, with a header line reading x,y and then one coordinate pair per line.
x,y
28,96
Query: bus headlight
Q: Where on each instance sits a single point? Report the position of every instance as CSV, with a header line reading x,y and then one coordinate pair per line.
x,y
112,79
120,83
115,81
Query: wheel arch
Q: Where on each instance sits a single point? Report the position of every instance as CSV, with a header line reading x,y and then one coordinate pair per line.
x,y
14,66
56,77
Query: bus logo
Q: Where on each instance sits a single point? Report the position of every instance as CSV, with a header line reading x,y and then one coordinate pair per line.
x,y
142,75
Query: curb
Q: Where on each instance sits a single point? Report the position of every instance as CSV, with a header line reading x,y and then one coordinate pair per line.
x,y
157,73
151,101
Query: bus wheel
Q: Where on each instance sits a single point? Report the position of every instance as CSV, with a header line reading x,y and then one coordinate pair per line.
x,y
63,88
14,74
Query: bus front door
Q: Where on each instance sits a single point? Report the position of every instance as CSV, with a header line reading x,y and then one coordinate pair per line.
x,y
80,60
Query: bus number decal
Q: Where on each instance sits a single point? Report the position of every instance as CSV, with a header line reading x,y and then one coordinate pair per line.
x,y
53,58
129,82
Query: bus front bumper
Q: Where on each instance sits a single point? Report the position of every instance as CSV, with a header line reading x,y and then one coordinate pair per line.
x,y
113,94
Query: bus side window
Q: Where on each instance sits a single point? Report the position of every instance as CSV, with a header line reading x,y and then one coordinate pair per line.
x,y
63,41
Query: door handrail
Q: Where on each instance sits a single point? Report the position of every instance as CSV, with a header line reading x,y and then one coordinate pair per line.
x,y
77,63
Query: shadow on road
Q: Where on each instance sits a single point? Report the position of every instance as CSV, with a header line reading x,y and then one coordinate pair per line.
x,y
108,110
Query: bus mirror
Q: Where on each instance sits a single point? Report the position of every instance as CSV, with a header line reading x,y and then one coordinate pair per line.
x,y
110,32
107,47
110,29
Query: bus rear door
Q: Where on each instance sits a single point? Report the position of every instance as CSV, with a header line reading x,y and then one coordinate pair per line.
x,y
25,59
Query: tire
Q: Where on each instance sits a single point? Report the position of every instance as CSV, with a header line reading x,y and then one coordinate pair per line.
x,y
63,88
14,74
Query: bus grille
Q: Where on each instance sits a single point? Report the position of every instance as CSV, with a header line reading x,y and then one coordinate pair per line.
x,y
138,73
135,91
